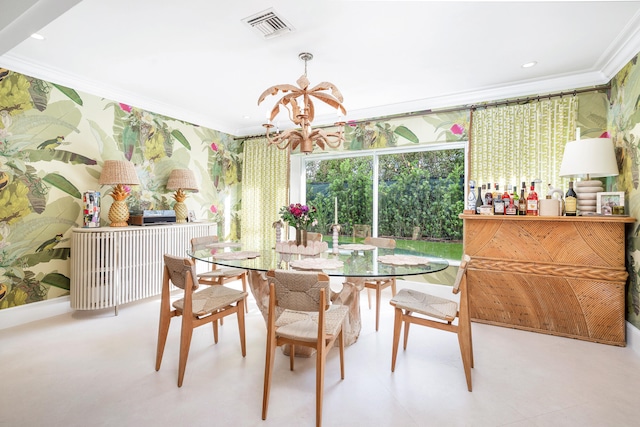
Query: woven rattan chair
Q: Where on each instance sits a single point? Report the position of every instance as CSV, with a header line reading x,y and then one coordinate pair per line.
x,y
440,314
196,308
218,275
300,314
379,283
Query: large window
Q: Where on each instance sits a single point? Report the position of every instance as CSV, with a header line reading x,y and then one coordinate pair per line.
x,y
412,196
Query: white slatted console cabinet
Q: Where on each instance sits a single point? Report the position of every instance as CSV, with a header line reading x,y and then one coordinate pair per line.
x,y
111,266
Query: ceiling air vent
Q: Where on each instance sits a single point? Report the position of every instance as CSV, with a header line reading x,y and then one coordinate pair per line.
x,y
268,24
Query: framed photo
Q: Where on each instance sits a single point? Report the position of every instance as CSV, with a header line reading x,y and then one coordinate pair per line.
x,y
610,203
191,216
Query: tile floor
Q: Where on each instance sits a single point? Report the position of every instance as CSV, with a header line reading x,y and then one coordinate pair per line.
x,y
96,369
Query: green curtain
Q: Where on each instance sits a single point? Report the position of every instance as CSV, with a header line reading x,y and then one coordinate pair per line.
x,y
517,143
265,189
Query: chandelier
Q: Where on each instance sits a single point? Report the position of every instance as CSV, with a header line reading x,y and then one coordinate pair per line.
x,y
301,112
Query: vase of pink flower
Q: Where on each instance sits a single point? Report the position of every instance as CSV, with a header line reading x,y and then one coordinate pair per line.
x,y
301,217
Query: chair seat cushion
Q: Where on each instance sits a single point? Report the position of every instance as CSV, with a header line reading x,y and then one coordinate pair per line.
x,y
211,299
222,272
423,303
303,325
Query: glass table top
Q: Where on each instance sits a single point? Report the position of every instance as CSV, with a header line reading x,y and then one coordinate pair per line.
x,y
351,260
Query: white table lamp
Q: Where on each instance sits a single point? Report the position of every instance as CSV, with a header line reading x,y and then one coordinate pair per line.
x,y
589,158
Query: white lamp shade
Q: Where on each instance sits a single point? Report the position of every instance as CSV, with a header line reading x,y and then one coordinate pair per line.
x,y
593,157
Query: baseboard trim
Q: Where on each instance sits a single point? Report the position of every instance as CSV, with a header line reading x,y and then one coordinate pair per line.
x,y
15,316
633,338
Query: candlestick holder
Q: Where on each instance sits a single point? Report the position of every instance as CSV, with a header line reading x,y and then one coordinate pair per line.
x,y
336,234
278,226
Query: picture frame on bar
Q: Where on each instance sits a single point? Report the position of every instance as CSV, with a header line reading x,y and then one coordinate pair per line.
x,y
610,203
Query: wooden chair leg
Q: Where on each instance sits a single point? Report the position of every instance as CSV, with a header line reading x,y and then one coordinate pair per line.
x,y
163,331
397,325
240,312
243,278
292,354
185,342
268,373
407,323
463,341
369,297
320,359
341,338
214,324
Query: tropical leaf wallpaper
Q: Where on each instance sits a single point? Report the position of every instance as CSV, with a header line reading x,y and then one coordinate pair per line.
x,y
624,126
53,142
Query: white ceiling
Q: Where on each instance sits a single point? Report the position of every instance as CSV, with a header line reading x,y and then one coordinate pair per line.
x,y
195,60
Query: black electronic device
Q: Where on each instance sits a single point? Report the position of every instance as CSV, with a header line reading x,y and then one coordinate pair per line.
x,y
152,217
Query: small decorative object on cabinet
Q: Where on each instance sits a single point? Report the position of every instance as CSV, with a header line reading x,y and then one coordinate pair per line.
x,y
606,202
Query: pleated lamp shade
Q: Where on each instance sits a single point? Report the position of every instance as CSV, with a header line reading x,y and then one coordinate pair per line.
x,y
118,172
182,179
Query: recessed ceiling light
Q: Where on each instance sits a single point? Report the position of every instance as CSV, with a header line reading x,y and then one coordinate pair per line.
x,y
37,36
247,117
529,64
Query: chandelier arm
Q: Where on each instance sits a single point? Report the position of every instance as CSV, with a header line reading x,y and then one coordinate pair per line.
x,y
326,86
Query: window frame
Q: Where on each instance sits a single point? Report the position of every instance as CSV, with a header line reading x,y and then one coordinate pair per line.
x,y
298,181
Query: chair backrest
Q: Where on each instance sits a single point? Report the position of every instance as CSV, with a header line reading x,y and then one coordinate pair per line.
x,y
299,290
361,230
461,272
201,242
177,269
314,237
381,242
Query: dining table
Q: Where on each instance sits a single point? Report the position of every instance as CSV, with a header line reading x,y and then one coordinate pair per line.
x,y
354,262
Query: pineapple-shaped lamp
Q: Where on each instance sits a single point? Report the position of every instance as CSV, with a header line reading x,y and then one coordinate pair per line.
x,y
120,173
181,180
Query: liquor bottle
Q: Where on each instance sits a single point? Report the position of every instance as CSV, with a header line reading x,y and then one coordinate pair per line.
x,y
488,197
522,205
498,205
515,198
570,201
479,199
506,197
471,197
532,201
511,209
496,191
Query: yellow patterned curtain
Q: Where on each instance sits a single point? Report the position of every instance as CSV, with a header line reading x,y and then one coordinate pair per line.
x,y
265,189
519,143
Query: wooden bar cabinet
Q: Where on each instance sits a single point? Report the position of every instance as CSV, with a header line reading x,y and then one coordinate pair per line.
x,y
562,276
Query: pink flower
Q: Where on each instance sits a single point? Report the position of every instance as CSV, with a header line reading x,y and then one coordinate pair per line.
x,y
605,134
457,129
214,147
214,209
127,189
125,107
